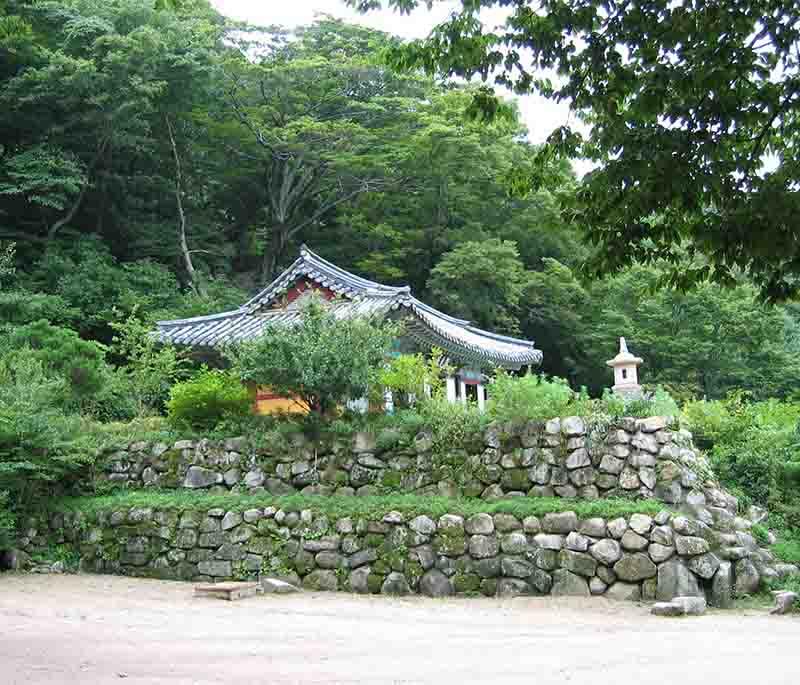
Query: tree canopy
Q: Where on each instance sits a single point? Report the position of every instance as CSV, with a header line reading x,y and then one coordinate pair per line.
x,y
693,111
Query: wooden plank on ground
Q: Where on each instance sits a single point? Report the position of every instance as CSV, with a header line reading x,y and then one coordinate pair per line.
x,y
228,591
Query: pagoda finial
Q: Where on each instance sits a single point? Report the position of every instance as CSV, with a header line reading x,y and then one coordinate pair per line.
x,y
623,347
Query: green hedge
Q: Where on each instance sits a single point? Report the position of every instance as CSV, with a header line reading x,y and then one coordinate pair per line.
x,y
367,507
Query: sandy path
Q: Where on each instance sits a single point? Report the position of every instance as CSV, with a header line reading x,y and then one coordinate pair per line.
x,y
102,629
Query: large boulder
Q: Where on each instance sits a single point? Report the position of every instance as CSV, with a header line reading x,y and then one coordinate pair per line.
x,y
747,577
198,477
479,524
358,580
321,579
606,551
722,586
705,565
624,592
566,583
577,562
395,584
689,546
675,580
434,583
635,567
562,523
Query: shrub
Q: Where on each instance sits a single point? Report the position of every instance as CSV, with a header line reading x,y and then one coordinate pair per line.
x,y
151,368
209,398
453,425
754,448
411,374
528,397
656,403
7,522
43,450
322,359
62,353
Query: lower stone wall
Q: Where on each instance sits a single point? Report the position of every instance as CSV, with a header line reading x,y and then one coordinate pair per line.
x,y
632,557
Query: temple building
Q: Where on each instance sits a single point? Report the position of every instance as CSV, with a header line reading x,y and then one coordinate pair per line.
x,y
471,351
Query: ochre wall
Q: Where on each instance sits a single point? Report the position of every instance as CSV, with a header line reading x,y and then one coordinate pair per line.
x,y
267,402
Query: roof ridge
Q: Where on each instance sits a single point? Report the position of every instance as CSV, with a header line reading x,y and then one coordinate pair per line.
x,y
313,257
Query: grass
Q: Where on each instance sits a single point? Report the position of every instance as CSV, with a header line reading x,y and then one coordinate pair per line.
x,y
788,551
366,507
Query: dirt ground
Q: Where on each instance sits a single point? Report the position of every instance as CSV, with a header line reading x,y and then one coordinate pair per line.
x,y
102,629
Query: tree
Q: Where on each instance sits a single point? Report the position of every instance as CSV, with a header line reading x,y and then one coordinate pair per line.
x,y
322,359
92,117
62,354
151,368
482,282
694,111
325,117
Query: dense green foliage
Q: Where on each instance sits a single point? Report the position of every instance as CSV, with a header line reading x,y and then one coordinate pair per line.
x,y
755,450
208,399
41,446
322,359
685,101
7,522
357,507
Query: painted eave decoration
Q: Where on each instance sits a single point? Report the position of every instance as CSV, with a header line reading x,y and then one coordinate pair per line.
x,y
349,295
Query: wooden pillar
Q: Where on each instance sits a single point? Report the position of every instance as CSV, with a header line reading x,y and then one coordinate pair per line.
x,y
463,392
481,397
451,389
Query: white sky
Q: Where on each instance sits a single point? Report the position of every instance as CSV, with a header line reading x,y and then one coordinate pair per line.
x,y
540,115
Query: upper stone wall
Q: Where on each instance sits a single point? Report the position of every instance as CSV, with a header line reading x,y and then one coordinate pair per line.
x,y
647,458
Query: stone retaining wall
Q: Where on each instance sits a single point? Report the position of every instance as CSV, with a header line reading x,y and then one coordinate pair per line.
x,y
633,458
633,557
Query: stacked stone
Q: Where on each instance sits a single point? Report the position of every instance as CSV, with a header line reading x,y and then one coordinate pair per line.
x,y
634,557
558,458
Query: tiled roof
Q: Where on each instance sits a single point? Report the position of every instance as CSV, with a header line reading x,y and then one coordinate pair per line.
x,y
358,297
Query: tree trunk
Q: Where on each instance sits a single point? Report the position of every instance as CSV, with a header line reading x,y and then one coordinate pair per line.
x,y
277,244
70,215
194,280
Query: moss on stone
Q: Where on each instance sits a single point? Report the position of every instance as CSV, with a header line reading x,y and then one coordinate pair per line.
x,y
374,540
382,566
375,582
489,587
516,479
466,582
450,542
390,480
414,572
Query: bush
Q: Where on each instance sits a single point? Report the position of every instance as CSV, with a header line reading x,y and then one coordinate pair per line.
x,y
150,369
754,448
412,374
62,353
322,359
656,403
43,449
211,397
454,425
526,397
7,522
